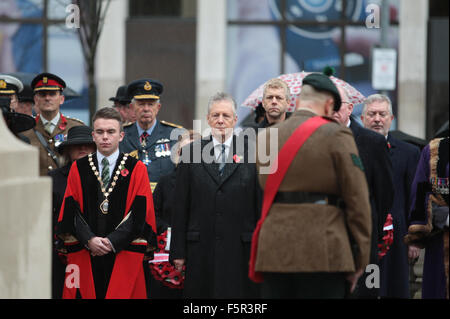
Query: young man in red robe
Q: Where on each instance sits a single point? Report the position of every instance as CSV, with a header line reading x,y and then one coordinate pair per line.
x,y
107,220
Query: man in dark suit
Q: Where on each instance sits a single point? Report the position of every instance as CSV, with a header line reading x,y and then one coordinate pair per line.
x,y
373,150
216,209
377,116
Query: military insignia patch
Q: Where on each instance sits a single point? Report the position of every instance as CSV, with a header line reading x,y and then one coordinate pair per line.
x,y
45,80
147,86
2,84
357,161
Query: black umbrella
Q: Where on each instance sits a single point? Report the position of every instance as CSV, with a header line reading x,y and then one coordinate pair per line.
x,y
16,122
409,138
26,79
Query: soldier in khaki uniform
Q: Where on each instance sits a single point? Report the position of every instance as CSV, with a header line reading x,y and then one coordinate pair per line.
x,y
304,246
51,125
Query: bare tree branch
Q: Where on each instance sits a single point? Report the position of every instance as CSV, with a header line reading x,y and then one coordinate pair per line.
x,y
92,18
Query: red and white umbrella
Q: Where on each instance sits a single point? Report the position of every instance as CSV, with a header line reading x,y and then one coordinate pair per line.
x,y
294,81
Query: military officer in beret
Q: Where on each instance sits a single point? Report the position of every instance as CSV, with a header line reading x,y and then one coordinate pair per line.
x,y
149,139
10,87
122,104
315,200
51,125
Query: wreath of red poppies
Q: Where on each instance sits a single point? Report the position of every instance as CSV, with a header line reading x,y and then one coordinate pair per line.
x,y
164,271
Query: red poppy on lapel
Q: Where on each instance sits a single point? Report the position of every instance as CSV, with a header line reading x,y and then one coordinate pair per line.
x,y
124,172
237,158
63,123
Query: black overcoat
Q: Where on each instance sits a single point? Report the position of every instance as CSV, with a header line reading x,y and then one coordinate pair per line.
x,y
395,265
373,150
214,220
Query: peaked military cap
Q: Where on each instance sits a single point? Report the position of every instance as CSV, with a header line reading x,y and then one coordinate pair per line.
x,y
47,82
10,85
121,95
323,83
145,89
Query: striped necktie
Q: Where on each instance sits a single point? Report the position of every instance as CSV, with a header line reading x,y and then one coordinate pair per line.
x,y
222,159
105,172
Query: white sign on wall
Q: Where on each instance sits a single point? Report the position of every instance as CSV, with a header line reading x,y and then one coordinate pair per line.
x,y
384,69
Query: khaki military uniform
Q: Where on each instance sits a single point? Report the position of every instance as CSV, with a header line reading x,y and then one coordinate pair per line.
x,y
46,161
312,236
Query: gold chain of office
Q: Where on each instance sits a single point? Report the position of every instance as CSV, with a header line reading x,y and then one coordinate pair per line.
x,y
104,206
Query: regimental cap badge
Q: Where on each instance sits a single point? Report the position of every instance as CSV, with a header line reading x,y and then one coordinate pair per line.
x,y
147,86
2,84
45,80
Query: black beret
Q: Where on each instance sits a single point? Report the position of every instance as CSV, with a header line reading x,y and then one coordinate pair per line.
x,y
145,89
323,83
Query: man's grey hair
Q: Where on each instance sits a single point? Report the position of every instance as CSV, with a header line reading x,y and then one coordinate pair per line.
x,y
377,98
222,96
133,101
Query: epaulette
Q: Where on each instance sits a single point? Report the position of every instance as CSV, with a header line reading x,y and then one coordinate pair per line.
x,y
171,124
128,124
74,119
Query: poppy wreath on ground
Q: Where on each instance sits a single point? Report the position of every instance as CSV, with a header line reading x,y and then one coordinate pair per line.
x,y
164,271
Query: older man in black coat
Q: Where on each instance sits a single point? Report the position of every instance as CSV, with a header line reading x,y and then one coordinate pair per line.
x,y
377,116
216,209
373,150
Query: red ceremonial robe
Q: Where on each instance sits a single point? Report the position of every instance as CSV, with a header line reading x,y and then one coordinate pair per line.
x,y
129,225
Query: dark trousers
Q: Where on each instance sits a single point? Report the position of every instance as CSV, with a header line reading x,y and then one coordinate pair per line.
x,y
304,286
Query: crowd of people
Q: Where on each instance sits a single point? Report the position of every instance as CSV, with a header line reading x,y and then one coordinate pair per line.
x,y
147,209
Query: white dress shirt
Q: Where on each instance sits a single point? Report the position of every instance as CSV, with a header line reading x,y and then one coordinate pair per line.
x,y
218,150
53,121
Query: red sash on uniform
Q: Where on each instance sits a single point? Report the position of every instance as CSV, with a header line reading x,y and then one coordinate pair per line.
x,y
284,159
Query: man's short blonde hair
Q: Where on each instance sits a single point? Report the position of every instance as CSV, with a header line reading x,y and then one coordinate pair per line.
x,y
277,83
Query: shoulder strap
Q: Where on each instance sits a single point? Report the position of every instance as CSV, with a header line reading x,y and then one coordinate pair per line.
x,y
47,147
283,161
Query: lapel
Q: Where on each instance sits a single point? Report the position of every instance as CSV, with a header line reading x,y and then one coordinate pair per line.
x,y
213,167
41,129
393,148
61,124
155,134
231,165
133,137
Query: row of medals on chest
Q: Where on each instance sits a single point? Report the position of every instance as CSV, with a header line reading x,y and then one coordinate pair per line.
x,y
161,149
104,206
